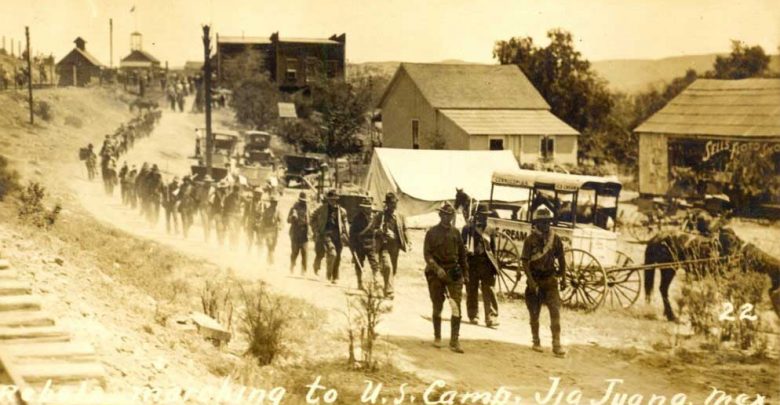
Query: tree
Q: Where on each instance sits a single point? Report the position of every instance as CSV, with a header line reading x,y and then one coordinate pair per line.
x,y
302,134
255,101
744,61
565,79
247,65
753,176
343,107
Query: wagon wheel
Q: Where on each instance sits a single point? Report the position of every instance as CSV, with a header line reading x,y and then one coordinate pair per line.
x,y
624,285
507,257
640,227
586,280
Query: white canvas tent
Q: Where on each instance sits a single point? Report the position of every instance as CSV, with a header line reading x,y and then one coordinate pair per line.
x,y
424,179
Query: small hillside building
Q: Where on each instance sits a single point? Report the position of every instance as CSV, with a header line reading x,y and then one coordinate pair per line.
x,y
473,107
78,67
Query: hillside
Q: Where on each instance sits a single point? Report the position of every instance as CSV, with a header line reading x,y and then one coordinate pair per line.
x,y
626,75
633,75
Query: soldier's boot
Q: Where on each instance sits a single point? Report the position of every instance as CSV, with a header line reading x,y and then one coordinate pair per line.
x,y
537,343
558,350
454,334
437,331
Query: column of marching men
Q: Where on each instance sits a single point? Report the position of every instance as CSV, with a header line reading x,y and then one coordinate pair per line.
x,y
229,211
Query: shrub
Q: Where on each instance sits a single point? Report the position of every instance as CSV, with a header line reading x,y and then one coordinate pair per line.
x,y
263,322
364,312
9,178
32,209
43,109
741,289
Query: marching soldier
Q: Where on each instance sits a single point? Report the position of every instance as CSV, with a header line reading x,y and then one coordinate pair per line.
x,y
540,250
129,186
361,233
482,273
123,182
269,228
232,215
206,193
186,204
91,162
154,189
169,204
391,239
446,270
331,230
253,212
298,218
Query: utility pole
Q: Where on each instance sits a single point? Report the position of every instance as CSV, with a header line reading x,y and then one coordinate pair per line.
x,y
111,43
29,72
207,93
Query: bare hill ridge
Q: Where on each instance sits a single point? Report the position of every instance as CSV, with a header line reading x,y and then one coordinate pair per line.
x,y
626,75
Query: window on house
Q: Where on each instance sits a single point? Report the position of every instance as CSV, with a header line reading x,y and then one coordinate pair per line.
x,y
291,74
415,134
547,148
496,144
313,69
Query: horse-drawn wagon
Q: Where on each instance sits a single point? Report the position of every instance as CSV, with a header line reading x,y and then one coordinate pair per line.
x,y
585,209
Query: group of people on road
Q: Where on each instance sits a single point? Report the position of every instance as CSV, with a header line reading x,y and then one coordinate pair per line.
x,y
175,92
115,145
373,236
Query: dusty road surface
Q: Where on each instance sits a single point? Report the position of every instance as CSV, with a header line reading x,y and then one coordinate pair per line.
x,y
493,358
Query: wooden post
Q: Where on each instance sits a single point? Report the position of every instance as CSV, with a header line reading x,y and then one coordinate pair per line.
x,y
111,43
29,72
207,95
75,76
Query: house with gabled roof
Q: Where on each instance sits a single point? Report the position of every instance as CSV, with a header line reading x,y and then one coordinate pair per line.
x,y
473,107
704,128
78,67
139,60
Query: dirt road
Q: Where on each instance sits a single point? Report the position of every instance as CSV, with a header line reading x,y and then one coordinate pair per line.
x,y
493,357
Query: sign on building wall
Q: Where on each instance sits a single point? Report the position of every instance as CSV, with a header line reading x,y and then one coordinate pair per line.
x,y
733,148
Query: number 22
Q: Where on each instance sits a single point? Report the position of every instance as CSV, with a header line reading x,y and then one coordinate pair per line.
x,y
745,313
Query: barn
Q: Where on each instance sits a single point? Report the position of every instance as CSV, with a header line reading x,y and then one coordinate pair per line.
x,y
473,107
704,128
78,67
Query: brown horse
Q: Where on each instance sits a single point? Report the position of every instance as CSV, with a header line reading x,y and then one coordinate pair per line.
x,y
666,250
754,259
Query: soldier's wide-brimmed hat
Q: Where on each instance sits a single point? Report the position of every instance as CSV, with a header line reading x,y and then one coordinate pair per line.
x,y
391,197
331,195
176,179
258,190
207,178
223,184
272,198
542,214
302,196
482,209
447,209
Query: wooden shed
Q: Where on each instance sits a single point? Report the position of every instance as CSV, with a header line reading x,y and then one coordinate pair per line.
x,y
78,67
706,126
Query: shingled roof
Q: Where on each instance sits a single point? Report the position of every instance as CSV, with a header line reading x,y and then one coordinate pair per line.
x,y
740,108
461,86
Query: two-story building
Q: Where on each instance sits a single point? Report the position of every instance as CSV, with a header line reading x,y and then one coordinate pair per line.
x,y
473,107
290,62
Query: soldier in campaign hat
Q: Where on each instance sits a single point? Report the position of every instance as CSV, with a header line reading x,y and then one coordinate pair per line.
x,y
391,239
331,231
541,249
361,232
446,271
298,218
483,274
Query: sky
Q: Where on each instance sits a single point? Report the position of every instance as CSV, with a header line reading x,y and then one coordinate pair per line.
x,y
399,30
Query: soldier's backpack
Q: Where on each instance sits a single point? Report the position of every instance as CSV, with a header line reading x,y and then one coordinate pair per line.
x,y
83,153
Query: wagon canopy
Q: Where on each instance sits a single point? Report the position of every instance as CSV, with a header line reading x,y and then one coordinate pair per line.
x,y
559,181
423,179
